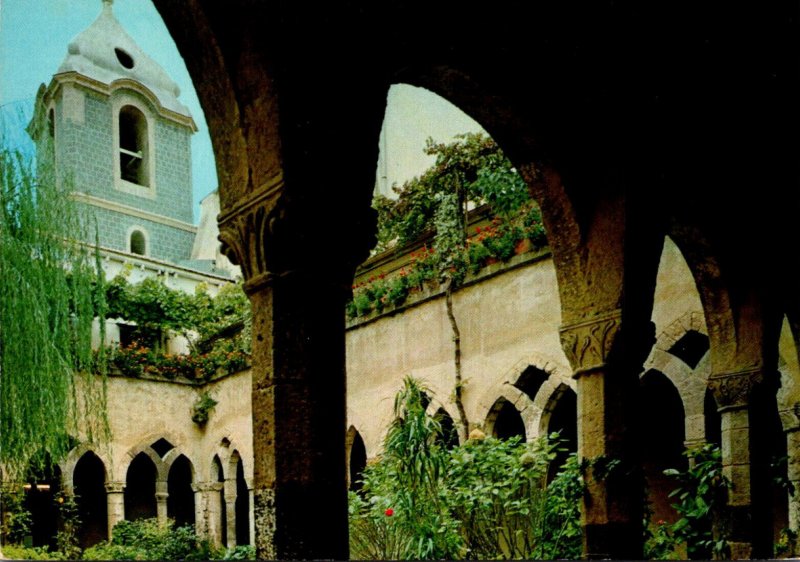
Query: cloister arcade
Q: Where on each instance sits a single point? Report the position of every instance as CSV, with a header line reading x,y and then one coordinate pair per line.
x,y
159,481
636,128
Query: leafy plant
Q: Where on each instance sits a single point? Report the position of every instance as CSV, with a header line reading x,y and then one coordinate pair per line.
x,y
701,493
786,546
561,524
487,498
67,535
147,539
239,552
202,408
50,293
19,552
16,519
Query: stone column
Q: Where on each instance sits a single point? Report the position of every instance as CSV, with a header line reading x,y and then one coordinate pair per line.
x,y
213,511
115,500
298,290
611,513
200,509
732,392
206,510
161,501
230,512
251,517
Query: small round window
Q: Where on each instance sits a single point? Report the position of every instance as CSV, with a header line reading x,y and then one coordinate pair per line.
x,y
124,58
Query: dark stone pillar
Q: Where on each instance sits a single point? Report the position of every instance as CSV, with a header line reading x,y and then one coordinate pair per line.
x,y
611,513
300,489
298,366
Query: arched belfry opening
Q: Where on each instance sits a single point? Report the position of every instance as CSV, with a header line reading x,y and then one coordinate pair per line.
x,y
134,157
140,488
180,502
138,243
663,435
89,480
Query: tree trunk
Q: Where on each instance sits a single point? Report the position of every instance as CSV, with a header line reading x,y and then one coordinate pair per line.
x,y
462,414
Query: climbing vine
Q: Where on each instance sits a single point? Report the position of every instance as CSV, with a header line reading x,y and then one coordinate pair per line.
x,y
469,172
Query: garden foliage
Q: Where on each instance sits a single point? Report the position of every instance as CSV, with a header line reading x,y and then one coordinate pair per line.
x,y
700,494
470,175
217,329
487,498
143,539
50,293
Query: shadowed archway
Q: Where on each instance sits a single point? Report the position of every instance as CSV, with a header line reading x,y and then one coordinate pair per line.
x,y
89,479
140,489
180,502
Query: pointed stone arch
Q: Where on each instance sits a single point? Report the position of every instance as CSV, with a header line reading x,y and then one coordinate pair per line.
x,y
143,486
690,382
72,458
181,486
455,431
356,458
496,396
88,483
436,406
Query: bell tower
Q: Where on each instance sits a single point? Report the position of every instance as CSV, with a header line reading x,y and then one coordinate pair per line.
x,y
111,126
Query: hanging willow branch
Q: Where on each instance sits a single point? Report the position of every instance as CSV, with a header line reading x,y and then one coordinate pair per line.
x,y
50,291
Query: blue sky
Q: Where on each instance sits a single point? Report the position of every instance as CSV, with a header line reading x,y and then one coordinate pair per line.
x,y
34,35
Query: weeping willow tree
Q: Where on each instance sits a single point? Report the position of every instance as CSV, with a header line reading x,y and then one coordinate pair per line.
x,y
51,289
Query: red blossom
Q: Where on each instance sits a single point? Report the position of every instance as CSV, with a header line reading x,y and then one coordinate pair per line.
x,y
389,512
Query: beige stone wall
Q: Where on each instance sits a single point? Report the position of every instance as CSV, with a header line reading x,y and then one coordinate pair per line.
x,y
508,321
142,411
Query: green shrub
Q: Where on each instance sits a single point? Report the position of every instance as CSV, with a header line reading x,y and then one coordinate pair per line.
x,y
16,518
487,498
147,539
701,492
19,552
239,552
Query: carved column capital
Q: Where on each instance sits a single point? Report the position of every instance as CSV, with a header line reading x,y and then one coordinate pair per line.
x,y
115,487
588,343
732,390
246,229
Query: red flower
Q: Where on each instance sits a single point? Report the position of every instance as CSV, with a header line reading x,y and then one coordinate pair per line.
x,y
389,512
